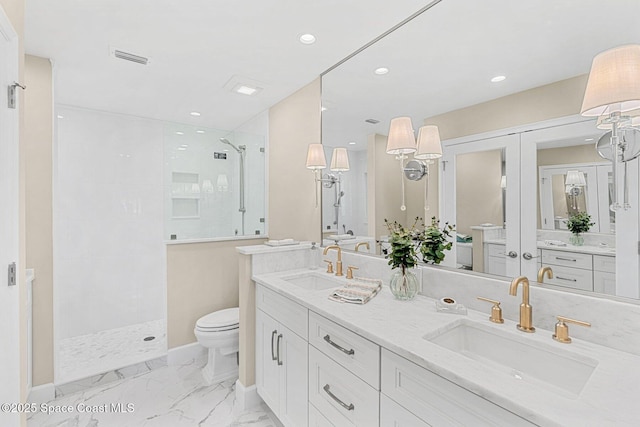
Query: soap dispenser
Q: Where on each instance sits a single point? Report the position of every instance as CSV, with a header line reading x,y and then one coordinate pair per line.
x,y
314,257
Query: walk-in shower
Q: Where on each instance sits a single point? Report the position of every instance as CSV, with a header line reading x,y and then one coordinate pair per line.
x,y
241,150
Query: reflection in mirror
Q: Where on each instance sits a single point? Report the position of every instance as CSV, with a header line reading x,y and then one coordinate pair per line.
x,y
480,206
450,86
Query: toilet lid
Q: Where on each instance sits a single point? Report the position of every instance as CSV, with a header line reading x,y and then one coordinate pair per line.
x,y
222,319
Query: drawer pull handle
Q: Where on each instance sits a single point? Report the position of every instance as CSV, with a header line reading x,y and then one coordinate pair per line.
x,y
348,407
566,259
278,345
273,334
564,278
351,352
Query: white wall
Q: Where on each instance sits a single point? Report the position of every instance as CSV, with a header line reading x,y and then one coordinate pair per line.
x,y
108,246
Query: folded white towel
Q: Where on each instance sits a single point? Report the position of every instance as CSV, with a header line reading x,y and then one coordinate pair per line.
x,y
357,292
282,242
341,236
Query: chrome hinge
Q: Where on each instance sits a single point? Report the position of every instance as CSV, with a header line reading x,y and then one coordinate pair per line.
x,y
11,94
12,274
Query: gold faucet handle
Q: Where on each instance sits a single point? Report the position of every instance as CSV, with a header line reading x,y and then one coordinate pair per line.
x,y
496,310
329,266
562,330
350,271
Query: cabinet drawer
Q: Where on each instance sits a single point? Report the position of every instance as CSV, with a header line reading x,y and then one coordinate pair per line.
x,y
604,283
316,419
496,250
437,401
285,311
574,278
357,354
567,259
606,264
394,415
343,398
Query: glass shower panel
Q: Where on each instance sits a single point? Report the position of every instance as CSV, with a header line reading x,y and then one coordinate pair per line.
x,y
214,183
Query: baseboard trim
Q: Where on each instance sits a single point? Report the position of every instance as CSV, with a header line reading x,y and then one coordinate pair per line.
x,y
185,354
246,397
42,393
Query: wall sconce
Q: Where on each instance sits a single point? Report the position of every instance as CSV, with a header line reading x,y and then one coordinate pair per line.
x,y
317,161
613,88
222,183
427,148
574,184
399,143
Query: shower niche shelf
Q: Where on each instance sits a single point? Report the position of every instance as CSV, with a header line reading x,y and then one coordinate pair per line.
x,y
185,195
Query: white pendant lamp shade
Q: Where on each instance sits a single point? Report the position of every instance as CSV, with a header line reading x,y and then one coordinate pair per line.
x,y
339,160
614,82
315,157
575,178
429,146
401,139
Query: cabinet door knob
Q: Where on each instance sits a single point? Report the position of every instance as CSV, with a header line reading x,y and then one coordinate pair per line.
x,y
512,254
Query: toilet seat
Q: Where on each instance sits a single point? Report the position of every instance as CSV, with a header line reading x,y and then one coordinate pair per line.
x,y
219,321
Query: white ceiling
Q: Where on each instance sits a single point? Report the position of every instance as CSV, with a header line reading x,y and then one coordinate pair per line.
x,y
444,59
196,47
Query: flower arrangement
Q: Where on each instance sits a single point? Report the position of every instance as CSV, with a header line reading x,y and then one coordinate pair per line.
x,y
406,244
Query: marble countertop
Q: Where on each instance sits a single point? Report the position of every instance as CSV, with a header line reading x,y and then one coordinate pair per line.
x,y
609,398
585,249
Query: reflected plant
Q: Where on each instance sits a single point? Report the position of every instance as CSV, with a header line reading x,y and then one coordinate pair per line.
x,y
435,240
579,223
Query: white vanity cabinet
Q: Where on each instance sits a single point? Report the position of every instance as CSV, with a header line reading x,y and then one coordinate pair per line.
x,y
344,375
282,356
435,400
495,259
580,270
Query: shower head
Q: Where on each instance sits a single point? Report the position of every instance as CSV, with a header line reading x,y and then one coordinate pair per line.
x,y
238,149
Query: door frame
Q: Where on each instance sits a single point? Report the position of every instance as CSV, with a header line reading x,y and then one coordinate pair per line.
x,y
10,312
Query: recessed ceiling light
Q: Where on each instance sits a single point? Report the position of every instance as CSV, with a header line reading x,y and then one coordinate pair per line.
x,y
199,131
225,150
182,148
381,71
246,89
307,39
195,114
183,145
588,139
497,79
60,117
179,133
352,143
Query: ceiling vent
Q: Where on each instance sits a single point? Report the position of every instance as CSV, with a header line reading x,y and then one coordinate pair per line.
x,y
372,121
120,54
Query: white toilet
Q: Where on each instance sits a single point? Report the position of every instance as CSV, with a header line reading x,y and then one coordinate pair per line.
x,y
218,332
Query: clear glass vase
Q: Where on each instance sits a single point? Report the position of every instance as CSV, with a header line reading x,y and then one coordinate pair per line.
x,y
576,239
403,284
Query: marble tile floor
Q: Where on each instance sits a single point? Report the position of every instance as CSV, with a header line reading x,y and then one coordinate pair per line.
x,y
86,355
169,396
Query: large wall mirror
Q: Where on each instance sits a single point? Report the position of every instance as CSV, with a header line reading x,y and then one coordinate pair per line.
x,y
518,158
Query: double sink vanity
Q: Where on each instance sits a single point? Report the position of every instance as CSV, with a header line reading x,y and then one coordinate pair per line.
x,y
392,363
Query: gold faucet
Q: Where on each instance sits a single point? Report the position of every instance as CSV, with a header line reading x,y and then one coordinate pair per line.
x,y
542,272
363,244
339,262
526,316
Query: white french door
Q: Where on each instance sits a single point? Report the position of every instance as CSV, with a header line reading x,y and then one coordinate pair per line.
x,y
454,207
9,294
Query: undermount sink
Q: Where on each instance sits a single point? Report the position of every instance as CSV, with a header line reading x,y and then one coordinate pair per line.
x,y
517,356
313,281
